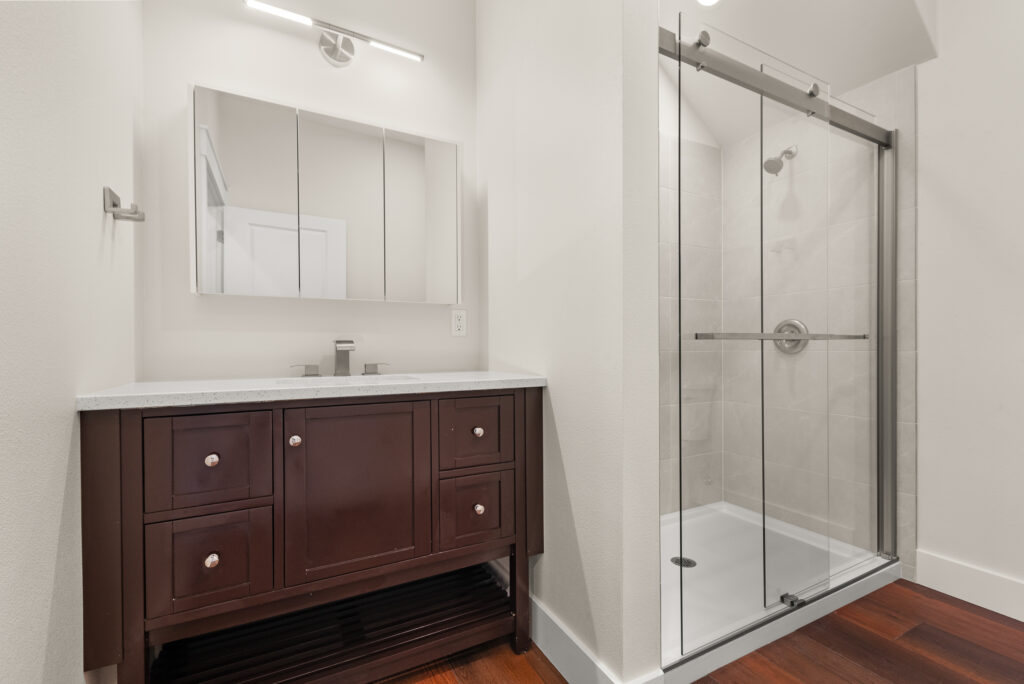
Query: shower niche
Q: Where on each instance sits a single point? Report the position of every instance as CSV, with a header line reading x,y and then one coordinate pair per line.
x,y
777,348
291,203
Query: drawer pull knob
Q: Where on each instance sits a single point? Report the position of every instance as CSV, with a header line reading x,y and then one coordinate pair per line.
x,y
212,561
212,460
479,509
294,441
478,431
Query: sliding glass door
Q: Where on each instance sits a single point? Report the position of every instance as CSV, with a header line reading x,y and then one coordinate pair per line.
x,y
772,272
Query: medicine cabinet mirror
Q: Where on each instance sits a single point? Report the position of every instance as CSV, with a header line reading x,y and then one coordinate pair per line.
x,y
295,204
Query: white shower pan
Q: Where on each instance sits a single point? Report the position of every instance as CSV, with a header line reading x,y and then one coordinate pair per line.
x,y
724,592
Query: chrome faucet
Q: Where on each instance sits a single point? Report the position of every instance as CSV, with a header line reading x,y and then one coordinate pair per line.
x,y
341,354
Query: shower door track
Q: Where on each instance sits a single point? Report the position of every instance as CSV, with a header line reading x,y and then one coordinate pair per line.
x,y
753,627
700,56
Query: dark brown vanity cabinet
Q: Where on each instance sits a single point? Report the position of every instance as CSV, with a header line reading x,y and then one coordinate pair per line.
x,y
202,519
356,488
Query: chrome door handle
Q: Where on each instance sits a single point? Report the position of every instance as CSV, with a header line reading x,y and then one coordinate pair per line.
x,y
775,336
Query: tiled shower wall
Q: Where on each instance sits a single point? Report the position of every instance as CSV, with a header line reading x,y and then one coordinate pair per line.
x,y
695,196
817,259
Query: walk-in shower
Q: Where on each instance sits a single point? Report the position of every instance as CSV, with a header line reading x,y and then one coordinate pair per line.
x,y
777,341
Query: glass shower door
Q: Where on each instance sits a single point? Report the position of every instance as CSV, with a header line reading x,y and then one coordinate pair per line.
x,y
795,390
769,344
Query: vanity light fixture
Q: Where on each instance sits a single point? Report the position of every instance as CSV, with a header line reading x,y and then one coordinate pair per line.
x,y
708,3
335,50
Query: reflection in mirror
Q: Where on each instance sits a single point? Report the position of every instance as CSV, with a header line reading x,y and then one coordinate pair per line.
x,y
341,195
421,206
246,196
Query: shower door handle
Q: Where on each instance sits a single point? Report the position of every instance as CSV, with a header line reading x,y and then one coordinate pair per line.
x,y
775,336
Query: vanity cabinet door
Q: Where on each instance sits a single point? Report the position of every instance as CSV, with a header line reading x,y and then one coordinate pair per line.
x,y
357,488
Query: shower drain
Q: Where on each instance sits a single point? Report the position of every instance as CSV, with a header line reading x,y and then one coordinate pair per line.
x,y
684,562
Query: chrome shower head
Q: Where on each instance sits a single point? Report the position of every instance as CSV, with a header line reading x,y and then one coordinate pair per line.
x,y
773,165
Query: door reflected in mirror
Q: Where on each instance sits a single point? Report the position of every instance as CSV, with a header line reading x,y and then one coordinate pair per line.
x,y
246,196
295,204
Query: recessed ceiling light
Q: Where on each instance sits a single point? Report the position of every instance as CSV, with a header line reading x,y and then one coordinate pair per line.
x,y
708,3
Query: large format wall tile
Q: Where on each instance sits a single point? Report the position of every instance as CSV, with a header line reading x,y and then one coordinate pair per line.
x,y
690,287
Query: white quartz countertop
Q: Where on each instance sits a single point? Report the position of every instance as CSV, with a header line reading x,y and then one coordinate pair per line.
x,y
207,392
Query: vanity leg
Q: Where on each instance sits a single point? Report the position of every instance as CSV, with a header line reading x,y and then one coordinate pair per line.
x,y
132,670
519,563
521,598
133,667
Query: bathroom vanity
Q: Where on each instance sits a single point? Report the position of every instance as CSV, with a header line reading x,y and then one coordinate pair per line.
x,y
307,529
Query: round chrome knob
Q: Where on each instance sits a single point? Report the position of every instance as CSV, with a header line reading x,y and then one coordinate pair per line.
x,y
478,431
294,441
479,509
212,460
212,561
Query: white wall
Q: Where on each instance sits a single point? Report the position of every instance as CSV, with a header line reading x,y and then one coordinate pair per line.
x,y
970,325
341,168
68,99
221,44
567,117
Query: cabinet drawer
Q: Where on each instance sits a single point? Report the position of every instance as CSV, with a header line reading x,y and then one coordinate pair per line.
x,y
477,508
476,431
198,460
201,561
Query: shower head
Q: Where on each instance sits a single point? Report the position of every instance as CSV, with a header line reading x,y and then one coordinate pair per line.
x,y
774,164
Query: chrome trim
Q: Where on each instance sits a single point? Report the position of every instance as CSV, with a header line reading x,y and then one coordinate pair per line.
x,y
886,403
112,206
734,71
775,336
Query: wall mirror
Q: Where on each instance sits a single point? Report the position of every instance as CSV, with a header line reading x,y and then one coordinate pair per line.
x,y
290,203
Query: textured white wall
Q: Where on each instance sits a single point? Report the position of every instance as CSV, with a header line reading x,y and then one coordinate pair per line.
x,y
221,44
970,327
68,99
567,117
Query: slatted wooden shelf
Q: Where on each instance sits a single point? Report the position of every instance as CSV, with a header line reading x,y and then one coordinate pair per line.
x,y
354,640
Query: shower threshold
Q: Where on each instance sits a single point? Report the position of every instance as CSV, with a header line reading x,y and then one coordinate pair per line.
x,y
725,592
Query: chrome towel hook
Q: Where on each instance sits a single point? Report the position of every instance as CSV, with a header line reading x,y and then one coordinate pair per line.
x,y
112,205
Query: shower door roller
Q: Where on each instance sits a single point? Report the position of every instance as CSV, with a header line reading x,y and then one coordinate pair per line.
x,y
791,326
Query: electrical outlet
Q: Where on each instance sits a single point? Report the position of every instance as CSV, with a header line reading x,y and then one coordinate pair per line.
x,y
459,323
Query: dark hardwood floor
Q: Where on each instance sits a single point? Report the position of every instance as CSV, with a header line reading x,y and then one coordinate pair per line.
x,y
492,663
902,633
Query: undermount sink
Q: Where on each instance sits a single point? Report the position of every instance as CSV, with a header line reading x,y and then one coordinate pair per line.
x,y
332,381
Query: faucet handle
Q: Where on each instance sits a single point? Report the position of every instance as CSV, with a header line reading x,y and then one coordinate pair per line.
x,y
344,345
309,370
373,368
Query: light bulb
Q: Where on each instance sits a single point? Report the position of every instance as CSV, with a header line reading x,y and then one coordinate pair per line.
x,y
396,50
278,12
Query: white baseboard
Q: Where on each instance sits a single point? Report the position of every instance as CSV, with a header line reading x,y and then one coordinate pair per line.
x,y
579,665
571,658
986,588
